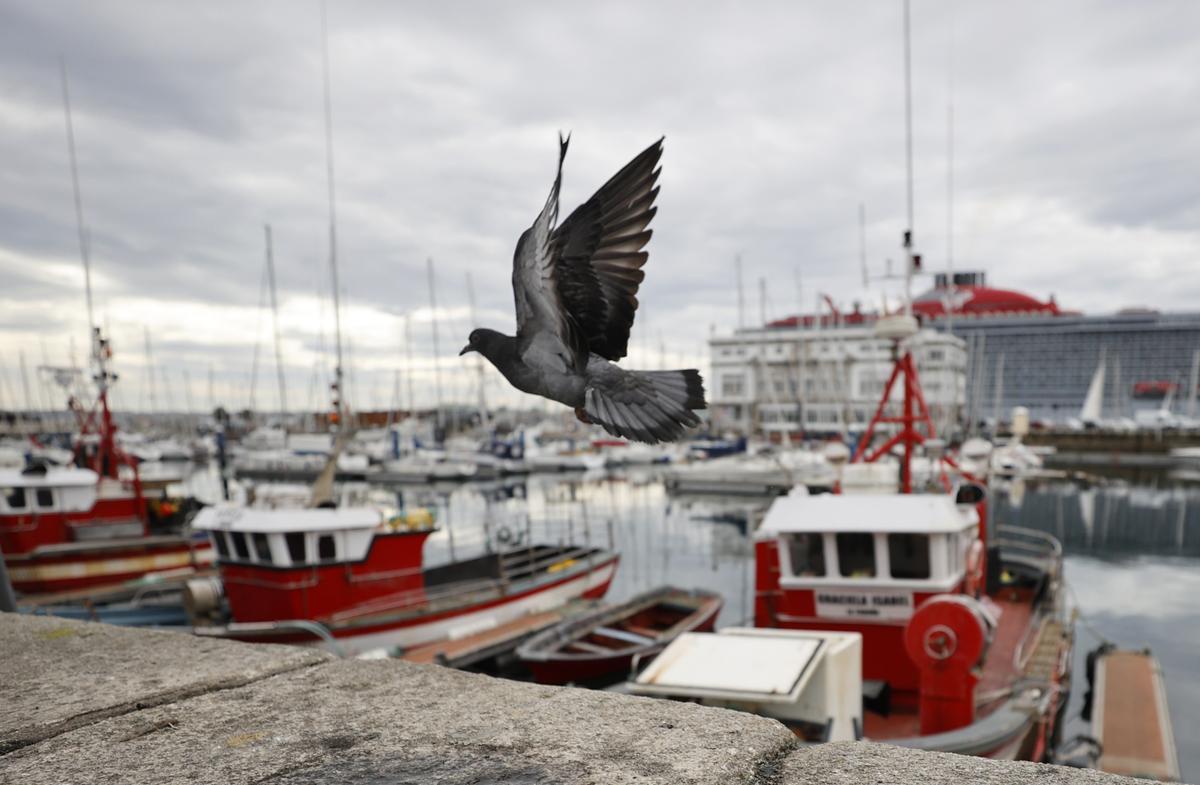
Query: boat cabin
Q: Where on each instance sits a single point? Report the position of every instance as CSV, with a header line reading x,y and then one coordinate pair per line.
x,y
42,506
864,564
307,563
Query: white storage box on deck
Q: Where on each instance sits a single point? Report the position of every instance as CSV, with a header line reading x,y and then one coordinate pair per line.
x,y
794,675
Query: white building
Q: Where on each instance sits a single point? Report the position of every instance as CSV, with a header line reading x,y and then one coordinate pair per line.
x,y
825,379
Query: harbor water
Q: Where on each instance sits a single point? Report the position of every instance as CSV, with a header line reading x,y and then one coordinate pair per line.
x,y
1132,555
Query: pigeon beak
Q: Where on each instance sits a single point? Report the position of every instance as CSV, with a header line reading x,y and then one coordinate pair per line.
x,y
465,349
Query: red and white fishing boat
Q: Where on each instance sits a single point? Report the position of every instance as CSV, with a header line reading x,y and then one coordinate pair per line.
x,y
354,580
964,636
83,526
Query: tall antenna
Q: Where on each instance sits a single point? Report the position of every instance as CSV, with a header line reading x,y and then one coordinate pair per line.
x,y
283,407
908,234
79,223
862,243
950,175
741,295
333,266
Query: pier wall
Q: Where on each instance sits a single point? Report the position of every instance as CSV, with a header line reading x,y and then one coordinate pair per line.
x,y
90,703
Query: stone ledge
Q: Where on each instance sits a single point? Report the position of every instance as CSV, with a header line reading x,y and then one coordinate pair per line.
x,y
98,704
57,675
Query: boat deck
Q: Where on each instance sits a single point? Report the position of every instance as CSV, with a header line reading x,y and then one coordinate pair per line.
x,y
1000,670
1130,718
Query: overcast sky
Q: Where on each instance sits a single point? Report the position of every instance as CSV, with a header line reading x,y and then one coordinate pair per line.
x,y
1077,168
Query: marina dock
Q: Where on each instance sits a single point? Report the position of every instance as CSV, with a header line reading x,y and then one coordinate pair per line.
x,y
1130,719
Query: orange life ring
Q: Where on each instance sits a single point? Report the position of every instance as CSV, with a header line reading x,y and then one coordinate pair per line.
x,y
974,579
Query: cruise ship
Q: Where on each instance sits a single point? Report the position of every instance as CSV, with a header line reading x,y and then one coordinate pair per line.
x,y
981,351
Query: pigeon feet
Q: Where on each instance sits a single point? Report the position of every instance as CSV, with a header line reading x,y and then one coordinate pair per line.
x,y
581,415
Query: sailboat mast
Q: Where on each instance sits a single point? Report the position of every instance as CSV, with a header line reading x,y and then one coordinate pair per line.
x,y
408,365
333,266
283,407
437,376
483,412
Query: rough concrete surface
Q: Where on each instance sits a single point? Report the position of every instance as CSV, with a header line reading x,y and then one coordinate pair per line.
x,y
856,763
389,722
86,703
57,674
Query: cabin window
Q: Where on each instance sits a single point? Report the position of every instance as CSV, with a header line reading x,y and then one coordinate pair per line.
x,y
856,555
239,546
262,550
14,497
222,544
325,550
909,555
45,497
295,546
806,551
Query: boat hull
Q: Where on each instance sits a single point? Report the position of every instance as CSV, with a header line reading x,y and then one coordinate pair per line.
x,y
412,627
88,565
547,662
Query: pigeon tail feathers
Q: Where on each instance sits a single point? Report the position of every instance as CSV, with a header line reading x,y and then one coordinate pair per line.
x,y
646,406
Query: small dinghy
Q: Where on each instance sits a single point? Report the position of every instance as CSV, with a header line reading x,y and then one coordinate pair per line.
x,y
607,644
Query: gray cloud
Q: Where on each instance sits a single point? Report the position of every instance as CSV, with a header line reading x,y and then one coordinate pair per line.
x,y
1075,156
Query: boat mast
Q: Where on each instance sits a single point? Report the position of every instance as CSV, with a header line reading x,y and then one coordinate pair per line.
x,y
283,407
408,365
339,396
483,411
106,459
437,376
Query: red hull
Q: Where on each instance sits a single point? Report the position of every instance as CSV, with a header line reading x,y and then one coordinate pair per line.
x,y
48,571
600,668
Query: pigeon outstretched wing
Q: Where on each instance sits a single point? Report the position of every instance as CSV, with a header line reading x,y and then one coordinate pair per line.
x,y
597,254
578,283
543,319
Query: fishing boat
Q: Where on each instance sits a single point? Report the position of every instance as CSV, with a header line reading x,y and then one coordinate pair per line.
x,y
609,642
65,528
353,579
88,525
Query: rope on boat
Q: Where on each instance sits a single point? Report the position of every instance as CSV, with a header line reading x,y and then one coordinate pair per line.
x,y
1082,617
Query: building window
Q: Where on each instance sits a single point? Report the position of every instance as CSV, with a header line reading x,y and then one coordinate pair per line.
x,y
856,555
262,551
325,549
295,546
806,551
14,498
936,355
909,555
45,497
733,385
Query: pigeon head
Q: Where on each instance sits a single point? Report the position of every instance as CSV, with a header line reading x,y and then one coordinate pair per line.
x,y
484,341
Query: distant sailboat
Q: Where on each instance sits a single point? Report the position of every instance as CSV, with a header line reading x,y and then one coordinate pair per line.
x,y
1089,415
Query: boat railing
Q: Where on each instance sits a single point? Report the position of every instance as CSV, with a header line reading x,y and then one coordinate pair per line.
x,y
528,563
313,628
1028,542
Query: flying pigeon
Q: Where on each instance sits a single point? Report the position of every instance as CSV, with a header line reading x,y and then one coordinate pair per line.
x,y
575,286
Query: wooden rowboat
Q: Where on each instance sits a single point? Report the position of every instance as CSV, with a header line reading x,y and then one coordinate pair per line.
x,y
603,645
